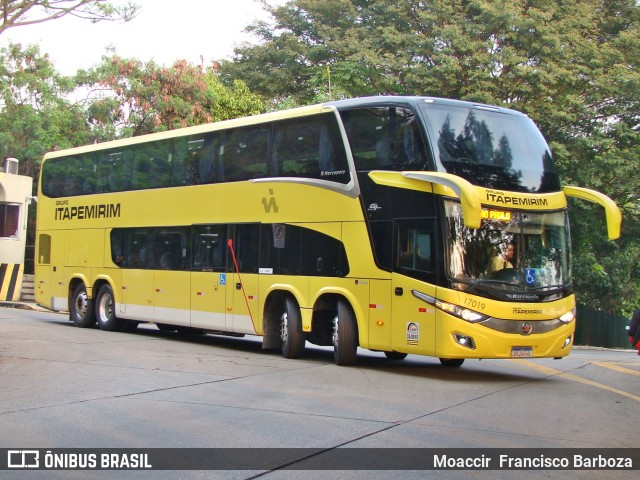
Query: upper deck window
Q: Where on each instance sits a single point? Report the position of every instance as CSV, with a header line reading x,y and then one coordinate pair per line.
x,y
310,148
385,138
305,147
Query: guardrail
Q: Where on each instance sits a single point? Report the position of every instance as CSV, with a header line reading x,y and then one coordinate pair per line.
x,y
600,329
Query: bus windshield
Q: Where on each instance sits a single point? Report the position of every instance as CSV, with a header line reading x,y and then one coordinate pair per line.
x,y
491,148
510,252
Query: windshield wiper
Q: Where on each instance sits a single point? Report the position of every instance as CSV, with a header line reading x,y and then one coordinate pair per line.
x,y
484,282
551,288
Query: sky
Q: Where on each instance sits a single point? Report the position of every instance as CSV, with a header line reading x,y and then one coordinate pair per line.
x,y
163,31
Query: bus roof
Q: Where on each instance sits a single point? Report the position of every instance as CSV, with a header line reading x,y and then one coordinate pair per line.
x,y
363,102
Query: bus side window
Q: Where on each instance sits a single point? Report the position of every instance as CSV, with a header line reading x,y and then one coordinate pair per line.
x,y
80,176
385,138
243,155
207,159
115,171
137,248
414,247
142,171
117,247
161,158
280,248
184,170
129,247
199,162
246,247
295,149
53,177
309,147
209,247
170,249
322,255
44,249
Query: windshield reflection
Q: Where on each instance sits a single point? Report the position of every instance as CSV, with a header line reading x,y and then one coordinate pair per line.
x,y
492,149
512,251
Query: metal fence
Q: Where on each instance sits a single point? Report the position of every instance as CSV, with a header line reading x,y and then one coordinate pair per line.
x,y
600,329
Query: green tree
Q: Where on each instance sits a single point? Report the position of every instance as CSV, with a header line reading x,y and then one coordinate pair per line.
x,y
129,97
35,116
571,65
18,13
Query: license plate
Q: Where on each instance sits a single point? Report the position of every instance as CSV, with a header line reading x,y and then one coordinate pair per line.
x,y
520,352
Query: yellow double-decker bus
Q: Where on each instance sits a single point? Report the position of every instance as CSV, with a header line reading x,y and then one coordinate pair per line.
x,y
405,225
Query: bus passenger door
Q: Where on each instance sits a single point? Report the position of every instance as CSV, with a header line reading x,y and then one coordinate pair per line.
x,y
208,277
243,280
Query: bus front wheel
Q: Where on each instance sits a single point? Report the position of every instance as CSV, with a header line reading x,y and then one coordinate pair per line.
x,y
291,334
451,362
105,311
395,355
345,335
80,308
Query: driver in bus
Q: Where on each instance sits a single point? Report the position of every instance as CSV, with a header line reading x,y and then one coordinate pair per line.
x,y
500,262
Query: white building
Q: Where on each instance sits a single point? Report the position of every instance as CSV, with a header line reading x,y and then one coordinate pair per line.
x,y
15,197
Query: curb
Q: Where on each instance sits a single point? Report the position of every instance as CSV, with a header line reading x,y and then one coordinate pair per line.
x,y
25,306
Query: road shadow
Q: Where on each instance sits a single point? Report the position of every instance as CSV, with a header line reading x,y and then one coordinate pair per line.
x,y
473,370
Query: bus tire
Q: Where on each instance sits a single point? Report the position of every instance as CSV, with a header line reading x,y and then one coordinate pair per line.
x,y
81,310
105,311
452,362
130,326
345,335
291,334
395,355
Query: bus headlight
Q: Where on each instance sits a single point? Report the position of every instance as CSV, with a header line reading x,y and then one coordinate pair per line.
x,y
463,313
569,316
455,310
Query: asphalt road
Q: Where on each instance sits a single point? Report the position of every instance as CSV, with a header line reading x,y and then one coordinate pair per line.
x,y
65,387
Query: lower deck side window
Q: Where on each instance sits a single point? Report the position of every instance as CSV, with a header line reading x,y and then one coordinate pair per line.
x,y
249,248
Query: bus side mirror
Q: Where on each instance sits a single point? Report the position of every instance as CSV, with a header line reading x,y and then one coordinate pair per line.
x,y
614,217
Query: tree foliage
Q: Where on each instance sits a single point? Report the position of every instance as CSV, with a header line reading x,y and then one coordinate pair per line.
x,y
35,116
129,97
18,13
571,65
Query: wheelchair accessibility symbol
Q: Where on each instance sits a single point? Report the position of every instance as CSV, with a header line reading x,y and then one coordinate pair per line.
x,y
531,276
223,279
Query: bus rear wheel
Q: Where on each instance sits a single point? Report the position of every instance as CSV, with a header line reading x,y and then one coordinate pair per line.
x,y
451,362
105,311
291,334
81,310
345,335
